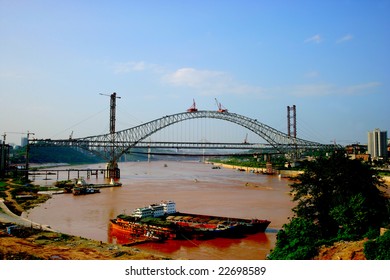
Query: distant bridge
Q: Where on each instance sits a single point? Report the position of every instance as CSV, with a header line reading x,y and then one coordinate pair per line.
x,y
112,146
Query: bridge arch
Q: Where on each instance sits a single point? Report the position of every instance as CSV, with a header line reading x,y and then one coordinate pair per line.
x,y
126,139
112,146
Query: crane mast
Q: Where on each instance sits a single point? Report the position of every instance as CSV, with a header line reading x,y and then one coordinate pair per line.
x,y
112,166
193,107
221,109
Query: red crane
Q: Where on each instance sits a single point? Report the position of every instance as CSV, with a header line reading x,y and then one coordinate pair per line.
x,y
193,107
221,109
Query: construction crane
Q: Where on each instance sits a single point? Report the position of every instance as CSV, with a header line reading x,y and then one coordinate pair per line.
x,y
28,133
221,109
193,107
113,98
246,139
112,166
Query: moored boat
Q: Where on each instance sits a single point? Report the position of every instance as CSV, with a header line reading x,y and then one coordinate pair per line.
x,y
162,221
84,190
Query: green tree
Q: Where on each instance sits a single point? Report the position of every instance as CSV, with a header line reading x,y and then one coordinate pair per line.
x,y
296,241
342,196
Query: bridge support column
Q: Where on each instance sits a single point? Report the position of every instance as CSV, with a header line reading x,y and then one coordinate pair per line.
x,y
268,166
113,172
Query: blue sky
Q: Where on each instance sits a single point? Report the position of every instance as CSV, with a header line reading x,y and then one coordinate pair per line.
x,y
329,58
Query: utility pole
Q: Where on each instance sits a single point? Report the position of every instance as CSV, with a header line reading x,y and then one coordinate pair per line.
x,y
112,167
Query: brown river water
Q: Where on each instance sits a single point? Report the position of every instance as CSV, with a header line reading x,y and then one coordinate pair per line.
x,y
194,186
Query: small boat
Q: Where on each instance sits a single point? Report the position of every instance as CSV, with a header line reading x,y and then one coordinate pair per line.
x,y
85,190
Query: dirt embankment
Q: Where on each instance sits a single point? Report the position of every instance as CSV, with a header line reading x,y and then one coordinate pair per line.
x,y
353,250
42,245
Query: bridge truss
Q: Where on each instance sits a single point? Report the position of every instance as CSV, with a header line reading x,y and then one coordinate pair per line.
x,y
112,146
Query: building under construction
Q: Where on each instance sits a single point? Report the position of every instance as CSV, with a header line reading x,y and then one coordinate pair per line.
x,y
4,158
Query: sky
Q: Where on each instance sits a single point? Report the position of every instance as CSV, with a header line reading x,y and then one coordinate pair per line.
x,y
329,58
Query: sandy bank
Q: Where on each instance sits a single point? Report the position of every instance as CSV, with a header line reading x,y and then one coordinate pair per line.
x,y
282,173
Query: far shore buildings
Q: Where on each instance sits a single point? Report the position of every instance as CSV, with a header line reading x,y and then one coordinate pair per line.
x,y
377,144
377,149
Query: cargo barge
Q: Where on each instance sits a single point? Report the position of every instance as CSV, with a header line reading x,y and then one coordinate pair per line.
x,y
160,222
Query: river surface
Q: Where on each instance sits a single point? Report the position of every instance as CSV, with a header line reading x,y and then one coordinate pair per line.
x,y
194,186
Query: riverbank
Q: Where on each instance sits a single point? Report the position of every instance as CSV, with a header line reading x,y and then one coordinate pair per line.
x,y
282,173
22,239
259,170
29,244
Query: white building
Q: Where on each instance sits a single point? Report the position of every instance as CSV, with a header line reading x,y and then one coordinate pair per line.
x,y
143,212
169,207
377,144
158,210
155,210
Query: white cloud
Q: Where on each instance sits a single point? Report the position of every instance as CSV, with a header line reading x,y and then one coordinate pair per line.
x,y
10,75
135,66
315,90
312,74
214,83
314,39
195,78
346,38
209,82
361,88
311,90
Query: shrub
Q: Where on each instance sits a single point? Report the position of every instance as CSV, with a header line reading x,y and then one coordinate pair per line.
x,y
296,241
378,249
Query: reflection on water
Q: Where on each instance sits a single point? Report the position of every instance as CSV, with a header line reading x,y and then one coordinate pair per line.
x,y
195,187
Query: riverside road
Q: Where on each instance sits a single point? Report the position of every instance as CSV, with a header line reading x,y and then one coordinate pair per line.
x,y
6,216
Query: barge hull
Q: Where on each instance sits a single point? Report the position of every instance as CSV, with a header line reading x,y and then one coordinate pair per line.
x,y
188,226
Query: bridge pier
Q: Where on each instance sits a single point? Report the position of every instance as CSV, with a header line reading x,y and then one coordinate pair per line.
x,y
112,170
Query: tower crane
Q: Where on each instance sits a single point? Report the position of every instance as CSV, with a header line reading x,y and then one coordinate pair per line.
x,y
28,133
113,98
246,139
112,166
221,109
193,107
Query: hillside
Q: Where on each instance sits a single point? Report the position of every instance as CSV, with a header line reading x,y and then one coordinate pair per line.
x,y
63,155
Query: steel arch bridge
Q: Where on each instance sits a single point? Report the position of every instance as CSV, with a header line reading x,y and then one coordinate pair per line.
x,y
112,146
